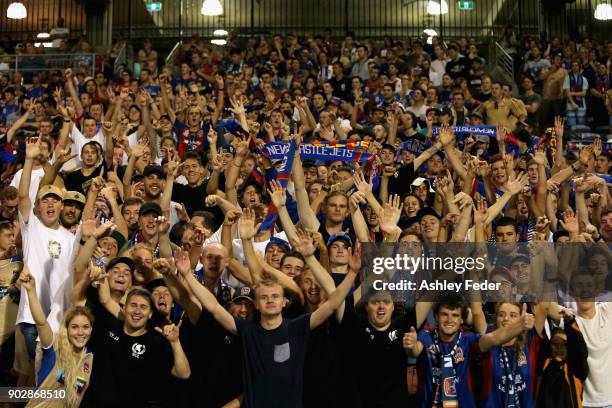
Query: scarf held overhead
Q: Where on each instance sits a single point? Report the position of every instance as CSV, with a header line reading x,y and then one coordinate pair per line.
x,y
350,152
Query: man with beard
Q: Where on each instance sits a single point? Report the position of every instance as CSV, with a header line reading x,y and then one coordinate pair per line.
x,y
214,260
605,230
47,245
445,363
133,364
71,212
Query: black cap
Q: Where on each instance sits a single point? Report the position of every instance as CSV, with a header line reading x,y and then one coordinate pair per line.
x,y
389,147
165,116
150,208
155,283
427,211
244,293
152,169
117,236
123,260
446,111
227,149
308,163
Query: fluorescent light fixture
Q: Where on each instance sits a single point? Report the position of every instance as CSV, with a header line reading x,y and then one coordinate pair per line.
x,y
437,7
16,10
603,12
218,41
45,44
43,35
212,8
220,32
430,32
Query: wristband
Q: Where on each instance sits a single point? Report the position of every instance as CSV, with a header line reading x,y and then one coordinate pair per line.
x,y
82,242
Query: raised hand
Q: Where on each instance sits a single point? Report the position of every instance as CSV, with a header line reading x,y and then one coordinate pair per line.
x,y
570,222
237,106
410,339
33,147
163,266
481,211
26,279
447,136
170,332
163,224
211,200
277,193
390,214
96,274
361,184
527,319
246,226
212,136
303,244
516,186
540,158
182,262
559,125
463,200
232,216
355,258
104,230
356,199
542,223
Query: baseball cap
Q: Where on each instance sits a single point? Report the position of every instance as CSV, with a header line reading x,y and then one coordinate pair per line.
x,y
151,285
483,139
280,242
74,196
427,211
244,293
49,189
308,163
475,115
165,116
151,169
340,236
227,149
150,208
519,257
124,260
446,111
504,272
419,181
389,147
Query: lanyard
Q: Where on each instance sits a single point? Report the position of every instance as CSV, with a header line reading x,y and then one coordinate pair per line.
x,y
511,396
444,368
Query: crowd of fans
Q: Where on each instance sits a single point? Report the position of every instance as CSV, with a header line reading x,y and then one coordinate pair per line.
x,y
155,251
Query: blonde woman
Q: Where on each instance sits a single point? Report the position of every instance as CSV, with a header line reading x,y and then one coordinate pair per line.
x,y
66,362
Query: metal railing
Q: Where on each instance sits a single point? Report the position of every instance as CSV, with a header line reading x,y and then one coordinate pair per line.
x,y
503,60
121,60
29,64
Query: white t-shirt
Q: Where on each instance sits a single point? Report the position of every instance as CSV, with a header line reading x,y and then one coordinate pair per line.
x,y
49,254
37,176
597,333
79,140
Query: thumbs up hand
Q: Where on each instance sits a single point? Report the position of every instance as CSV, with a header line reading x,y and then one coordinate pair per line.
x,y
410,339
527,319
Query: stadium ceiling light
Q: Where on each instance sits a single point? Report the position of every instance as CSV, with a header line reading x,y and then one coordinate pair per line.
x,y
16,10
430,32
437,7
212,8
43,35
218,41
603,12
220,32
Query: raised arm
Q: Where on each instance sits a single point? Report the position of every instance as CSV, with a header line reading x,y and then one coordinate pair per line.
x,y
335,299
504,334
73,93
44,330
25,204
209,302
180,368
20,122
305,212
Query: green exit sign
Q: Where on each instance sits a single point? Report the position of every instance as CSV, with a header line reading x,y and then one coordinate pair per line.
x,y
151,7
465,5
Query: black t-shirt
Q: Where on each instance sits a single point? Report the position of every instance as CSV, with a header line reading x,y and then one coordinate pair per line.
x,y
322,367
215,357
459,68
342,87
128,371
193,198
76,181
400,184
273,370
380,356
